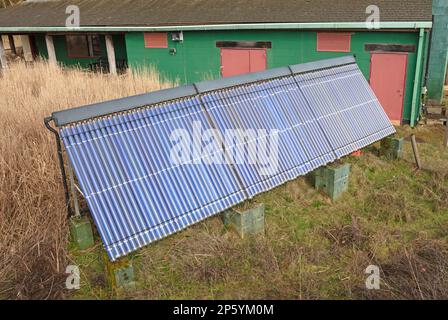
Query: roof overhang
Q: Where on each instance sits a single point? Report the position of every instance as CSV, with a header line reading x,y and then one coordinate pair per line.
x,y
209,27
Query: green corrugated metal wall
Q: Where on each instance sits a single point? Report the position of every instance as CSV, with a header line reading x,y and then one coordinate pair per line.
x,y
439,51
197,57
61,50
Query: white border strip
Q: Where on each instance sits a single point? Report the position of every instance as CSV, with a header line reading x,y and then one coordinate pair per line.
x,y
239,26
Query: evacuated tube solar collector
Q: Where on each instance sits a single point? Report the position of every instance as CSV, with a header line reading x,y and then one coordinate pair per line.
x,y
120,149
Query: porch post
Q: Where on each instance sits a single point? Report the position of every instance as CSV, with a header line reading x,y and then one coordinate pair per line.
x,y
50,49
416,99
111,54
26,45
445,141
3,62
12,45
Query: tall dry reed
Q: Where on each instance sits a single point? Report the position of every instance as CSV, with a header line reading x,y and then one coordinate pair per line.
x,y
33,226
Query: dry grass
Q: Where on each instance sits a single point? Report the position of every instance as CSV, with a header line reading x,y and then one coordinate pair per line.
x,y
416,272
391,216
33,231
209,262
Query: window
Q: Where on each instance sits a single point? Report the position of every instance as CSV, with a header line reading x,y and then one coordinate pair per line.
x,y
244,44
333,41
156,40
83,46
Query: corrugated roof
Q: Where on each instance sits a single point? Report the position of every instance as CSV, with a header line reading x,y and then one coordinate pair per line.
x,y
194,12
137,195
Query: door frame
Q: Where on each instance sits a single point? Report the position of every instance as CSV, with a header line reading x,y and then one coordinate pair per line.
x,y
394,122
240,48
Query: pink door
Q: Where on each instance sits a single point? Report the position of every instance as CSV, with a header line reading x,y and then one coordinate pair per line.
x,y
388,80
257,60
240,61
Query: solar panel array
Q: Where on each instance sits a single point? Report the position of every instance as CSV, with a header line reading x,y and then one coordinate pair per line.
x,y
136,193
346,107
274,104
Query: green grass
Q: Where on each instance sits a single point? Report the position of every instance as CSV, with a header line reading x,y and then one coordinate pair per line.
x,y
312,248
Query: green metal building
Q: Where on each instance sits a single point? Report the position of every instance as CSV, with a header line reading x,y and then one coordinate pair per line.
x,y
439,52
188,41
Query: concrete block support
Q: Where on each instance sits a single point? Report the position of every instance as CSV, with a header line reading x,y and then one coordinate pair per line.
x,y
81,231
439,52
248,222
120,274
333,180
392,147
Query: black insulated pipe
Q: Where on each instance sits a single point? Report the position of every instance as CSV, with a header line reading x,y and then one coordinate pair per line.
x,y
47,121
428,56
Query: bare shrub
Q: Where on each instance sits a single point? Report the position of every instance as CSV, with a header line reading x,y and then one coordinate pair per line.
x,y
346,236
418,272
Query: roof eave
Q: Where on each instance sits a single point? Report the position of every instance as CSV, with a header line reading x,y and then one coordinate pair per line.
x,y
240,26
